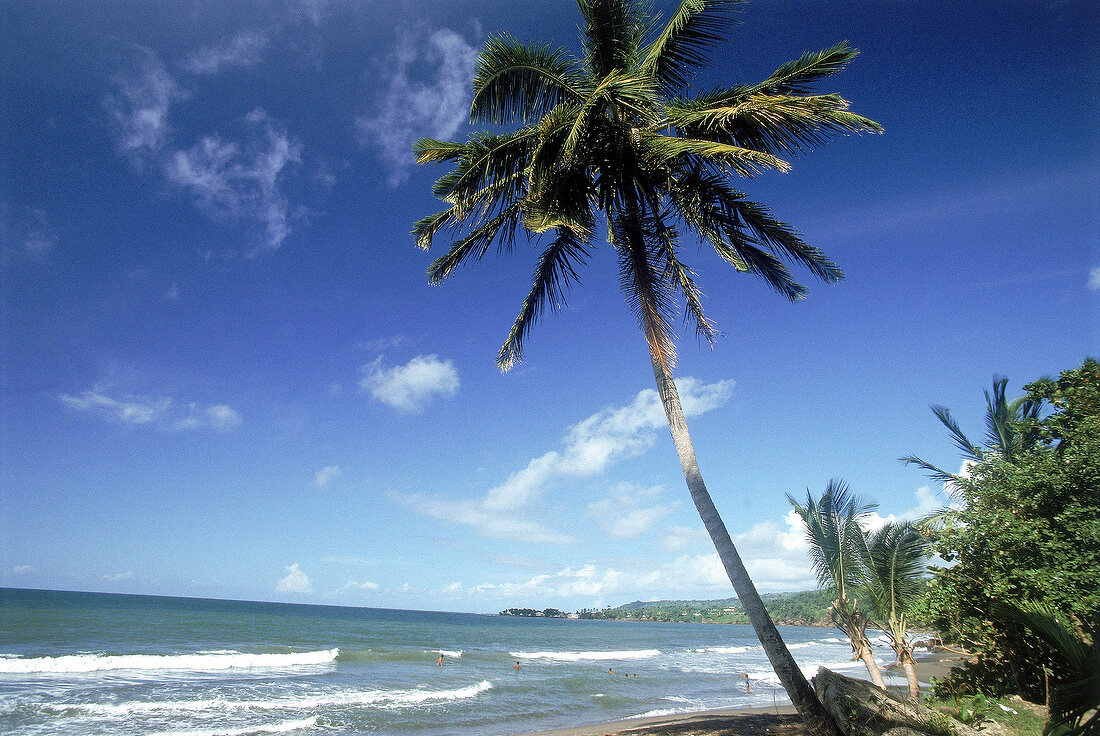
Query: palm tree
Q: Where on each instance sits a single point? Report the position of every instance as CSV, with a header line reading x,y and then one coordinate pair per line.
x,y
615,141
896,562
838,552
1005,436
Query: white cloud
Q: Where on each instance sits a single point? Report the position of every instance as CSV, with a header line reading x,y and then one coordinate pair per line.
x,y
126,409
326,475
237,179
21,569
353,585
244,49
428,95
1094,279
590,447
240,180
296,581
140,108
119,577
412,386
624,512
218,417
155,411
490,523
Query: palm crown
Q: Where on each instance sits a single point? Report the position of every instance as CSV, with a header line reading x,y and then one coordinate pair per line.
x,y
613,140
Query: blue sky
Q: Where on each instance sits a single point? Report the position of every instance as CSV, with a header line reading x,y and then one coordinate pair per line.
x,y
225,375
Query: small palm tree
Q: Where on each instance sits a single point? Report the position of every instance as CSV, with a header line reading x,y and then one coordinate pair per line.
x,y
1074,703
838,553
615,142
1005,436
896,562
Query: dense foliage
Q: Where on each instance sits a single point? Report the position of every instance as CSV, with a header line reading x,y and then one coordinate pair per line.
x,y
1029,533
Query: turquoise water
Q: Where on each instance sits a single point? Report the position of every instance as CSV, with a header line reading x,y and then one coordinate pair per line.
x,y
92,663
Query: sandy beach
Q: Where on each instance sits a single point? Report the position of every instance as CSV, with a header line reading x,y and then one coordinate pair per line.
x,y
774,721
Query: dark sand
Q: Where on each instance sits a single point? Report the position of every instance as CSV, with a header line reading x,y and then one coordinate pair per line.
x,y
775,721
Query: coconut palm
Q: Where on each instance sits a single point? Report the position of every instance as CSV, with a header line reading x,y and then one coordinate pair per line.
x,y
838,553
615,142
1005,435
896,562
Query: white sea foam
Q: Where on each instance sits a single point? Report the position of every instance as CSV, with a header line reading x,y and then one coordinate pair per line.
x,y
448,653
724,650
589,656
389,699
201,662
281,727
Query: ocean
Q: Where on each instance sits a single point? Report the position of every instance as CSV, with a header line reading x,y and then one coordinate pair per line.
x,y
96,663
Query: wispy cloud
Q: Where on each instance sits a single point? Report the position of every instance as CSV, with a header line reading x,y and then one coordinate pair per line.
x,y
628,511
126,409
411,387
295,581
1094,279
590,447
243,50
240,179
326,475
155,411
428,95
218,417
353,585
119,577
139,109
227,178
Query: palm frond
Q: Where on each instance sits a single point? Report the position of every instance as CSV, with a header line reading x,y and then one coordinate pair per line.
x,y
501,229
613,31
779,236
514,81
795,77
695,28
966,447
683,280
647,293
897,560
935,472
745,162
777,124
556,271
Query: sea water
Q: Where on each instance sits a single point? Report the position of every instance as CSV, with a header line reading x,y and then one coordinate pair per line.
x,y
93,663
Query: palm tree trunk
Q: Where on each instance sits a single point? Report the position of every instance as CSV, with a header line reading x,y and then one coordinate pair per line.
x,y
853,622
873,670
910,669
816,718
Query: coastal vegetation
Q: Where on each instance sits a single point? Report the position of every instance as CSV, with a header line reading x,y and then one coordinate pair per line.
x,y
616,143
1024,534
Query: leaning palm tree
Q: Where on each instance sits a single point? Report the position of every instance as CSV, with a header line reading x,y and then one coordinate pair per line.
x,y
896,563
614,142
838,553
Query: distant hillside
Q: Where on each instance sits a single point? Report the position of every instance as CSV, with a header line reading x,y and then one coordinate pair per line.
x,y
807,608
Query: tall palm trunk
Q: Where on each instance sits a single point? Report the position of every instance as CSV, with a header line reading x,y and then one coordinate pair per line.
x,y
816,718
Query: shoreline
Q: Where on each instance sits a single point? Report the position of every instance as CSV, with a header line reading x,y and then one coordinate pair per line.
x,y
781,720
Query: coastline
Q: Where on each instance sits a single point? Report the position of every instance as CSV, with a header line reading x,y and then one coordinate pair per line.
x,y
779,720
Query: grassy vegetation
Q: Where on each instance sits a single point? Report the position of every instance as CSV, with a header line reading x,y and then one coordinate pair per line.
x,y
1017,717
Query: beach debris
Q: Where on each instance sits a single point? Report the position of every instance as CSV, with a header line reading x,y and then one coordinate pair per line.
x,y
861,709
